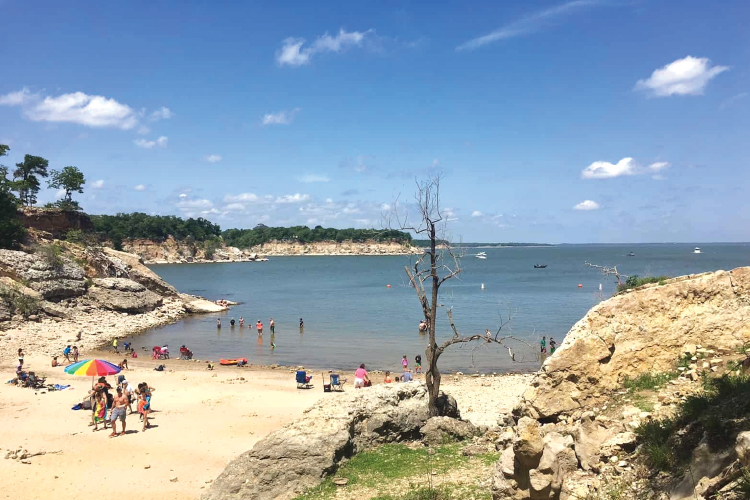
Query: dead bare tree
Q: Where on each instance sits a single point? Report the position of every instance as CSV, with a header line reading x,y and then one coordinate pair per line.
x,y
609,271
438,264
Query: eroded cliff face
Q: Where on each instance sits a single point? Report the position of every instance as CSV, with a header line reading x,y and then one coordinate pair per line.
x,y
54,220
640,331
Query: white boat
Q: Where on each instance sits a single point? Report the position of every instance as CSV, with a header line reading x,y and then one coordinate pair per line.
x,y
482,253
483,257
697,250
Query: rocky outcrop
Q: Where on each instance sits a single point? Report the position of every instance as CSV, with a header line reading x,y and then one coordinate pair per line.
x,y
199,305
54,276
644,330
124,295
54,221
439,430
135,270
334,248
300,455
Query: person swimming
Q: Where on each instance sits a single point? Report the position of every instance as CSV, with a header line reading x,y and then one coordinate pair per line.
x,y
231,322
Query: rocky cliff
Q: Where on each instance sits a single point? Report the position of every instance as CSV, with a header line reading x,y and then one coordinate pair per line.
x,y
641,331
54,221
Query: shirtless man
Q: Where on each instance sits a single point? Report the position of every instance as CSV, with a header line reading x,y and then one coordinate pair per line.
x,y
119,411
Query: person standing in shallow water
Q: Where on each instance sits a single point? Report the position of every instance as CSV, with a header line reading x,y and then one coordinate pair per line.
x,y
543,345
552,345
259,327
272,326
301,325
218,322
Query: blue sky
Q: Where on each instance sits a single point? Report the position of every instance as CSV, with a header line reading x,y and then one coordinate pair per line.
x,y
585,121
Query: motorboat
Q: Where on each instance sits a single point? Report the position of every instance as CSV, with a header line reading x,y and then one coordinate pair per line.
x,y
540,266
631,254
697,250
480,256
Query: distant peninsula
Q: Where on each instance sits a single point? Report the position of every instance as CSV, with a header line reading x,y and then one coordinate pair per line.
x,y
426,243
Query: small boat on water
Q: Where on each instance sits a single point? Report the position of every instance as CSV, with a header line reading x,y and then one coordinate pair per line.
x,y
232,361
697,250
631,254
483,257
540,266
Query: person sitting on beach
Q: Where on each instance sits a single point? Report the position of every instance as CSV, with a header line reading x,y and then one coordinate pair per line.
x,y
360,377
387,379
66,353
259,327
218,322
185,353
406,376
231,322
209,366
54,362
123,364
75,354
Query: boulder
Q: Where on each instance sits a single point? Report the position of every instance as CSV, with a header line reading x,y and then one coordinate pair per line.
x,y
439,430
558,460
528,445
303,453
742,448
589,434
705,463
198,305
138,272
640,331
124,295
506,465
53,280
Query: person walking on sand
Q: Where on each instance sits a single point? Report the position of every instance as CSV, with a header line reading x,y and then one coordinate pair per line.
x,y
404,363
75,354
128,390
552,345
259,327
66,353
272,326
360,377
418,363
144,404
543,345
118,412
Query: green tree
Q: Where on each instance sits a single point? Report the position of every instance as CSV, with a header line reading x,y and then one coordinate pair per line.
x,y
71,180
27,175
11,230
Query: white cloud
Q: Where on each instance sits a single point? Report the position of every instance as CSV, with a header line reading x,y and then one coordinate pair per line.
x,y
688,76
235,207
587,205
186,204
140,187
294,53
329,200
183,195
529,24
98,184
161,114
293,198
385,206
310,178
476,213
280,118
59,194
242,197
77,107
213,158
606,170
17,98
145,144
659,166
143,130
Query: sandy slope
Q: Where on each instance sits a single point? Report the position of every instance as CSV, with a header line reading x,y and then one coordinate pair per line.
x,y
202,420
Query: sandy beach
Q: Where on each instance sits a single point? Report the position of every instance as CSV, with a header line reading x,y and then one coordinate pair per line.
x,y
201,420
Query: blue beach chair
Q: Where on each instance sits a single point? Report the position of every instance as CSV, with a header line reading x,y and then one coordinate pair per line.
x,y
337,384
303,381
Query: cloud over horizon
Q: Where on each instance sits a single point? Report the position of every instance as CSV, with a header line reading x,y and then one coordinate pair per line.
x,y
293,51
587,205
280,118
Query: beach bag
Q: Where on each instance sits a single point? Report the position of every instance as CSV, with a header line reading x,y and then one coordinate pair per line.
x,y
159,368
326,387
79,406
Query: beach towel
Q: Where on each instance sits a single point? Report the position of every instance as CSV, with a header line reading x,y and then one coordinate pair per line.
x,y
59,387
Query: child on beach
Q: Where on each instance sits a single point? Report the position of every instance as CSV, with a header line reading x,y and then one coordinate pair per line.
x,y
404,363
387,379
75,354
99,410
418,362
66,353
20,356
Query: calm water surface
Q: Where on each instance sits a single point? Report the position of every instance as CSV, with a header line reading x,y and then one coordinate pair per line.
x,y
351,317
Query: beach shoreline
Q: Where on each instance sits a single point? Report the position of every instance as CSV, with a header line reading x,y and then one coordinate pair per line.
x,y
201,420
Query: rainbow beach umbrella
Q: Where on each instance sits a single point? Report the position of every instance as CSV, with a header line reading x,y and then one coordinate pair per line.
x,y
92,368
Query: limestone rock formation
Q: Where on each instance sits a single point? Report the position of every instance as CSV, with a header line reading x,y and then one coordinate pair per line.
x,y
640,331
137,271
438,430
54,221
123,294
301,454
54,278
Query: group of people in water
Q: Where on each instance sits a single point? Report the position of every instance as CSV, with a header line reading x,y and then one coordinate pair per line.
x,y
258,325
552,345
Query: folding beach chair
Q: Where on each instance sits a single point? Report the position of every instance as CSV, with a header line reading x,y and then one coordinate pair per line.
x,y
303,381
337,383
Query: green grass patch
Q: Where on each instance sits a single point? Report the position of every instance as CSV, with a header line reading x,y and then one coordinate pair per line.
x,y
643,403
635,281
648,381
392,462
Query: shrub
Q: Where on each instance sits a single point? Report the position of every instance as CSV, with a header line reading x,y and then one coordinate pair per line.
x,y
52,255
648,381
18,302
634,282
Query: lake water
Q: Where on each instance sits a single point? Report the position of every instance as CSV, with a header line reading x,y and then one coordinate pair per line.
x,y
352,317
